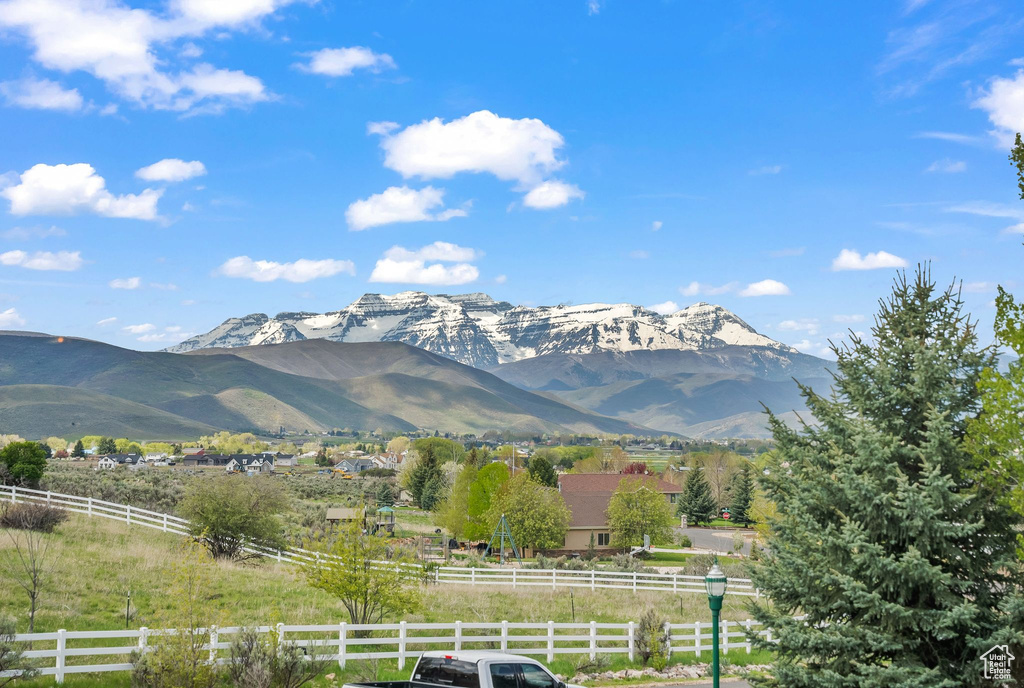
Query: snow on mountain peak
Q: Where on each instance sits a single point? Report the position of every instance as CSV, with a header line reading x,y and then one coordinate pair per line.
x,y
479,331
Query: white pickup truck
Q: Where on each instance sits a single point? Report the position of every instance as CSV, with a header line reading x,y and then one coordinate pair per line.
x,y
475,669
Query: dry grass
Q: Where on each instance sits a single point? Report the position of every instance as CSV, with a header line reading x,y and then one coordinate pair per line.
x,y
102,560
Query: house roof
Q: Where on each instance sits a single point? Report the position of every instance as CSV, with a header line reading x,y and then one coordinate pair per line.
x,y
344,514
588,509
607,483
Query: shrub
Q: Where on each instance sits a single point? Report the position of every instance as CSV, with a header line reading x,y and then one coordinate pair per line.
x,y
738,541
651,640
685,541
11,659
627,564
229,512
259,661
30,516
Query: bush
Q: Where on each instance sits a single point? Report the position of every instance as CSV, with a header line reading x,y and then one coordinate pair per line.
x,y
685,541
259,661
30,516
11,658
650,639
229,512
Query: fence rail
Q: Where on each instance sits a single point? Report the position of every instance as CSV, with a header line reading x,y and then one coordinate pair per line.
x,y
553,578
72,652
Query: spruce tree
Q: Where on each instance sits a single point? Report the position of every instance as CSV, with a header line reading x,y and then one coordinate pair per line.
x,y
541,472
742,496
697,503
425,470
901,562
384,495
79,450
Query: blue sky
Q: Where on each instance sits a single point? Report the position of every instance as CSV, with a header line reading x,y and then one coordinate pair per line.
x,y
167,165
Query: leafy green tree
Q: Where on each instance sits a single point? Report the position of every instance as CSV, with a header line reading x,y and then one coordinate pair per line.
x,y
106,445
902,562
321,457
443,449
229,512
488,481
453,514
79,450
742,495
637,509
127,446
697,502
536,515
24,462
541,472
369,591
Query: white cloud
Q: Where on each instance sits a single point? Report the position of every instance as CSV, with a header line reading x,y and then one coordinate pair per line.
x,y
852,260
106,321
848,319
65,261
979,287
139,329
344,61
522,150
551,194
767,287
639,254
947,166
949,136
593,7
190,50
410,267
664,308
41,94
303,270
821,349
164,286
808,325
171,170
11,318
131,49
501,279
698,288
399,204
767,169
27,233
656,225
787,252
1004,103
125,283
1000,210
70,189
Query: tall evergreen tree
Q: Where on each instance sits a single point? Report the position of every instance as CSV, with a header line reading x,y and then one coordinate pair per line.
x,y
107,445
79,450
742,497
426,469
901,562
542,472
697,502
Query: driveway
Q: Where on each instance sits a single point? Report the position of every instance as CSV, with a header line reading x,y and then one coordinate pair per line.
x,y
718,540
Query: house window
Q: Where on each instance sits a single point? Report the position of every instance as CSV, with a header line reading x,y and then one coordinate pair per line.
x,y
604,539
672,498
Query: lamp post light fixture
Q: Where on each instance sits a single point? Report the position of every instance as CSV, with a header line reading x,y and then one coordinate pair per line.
x,y
715,582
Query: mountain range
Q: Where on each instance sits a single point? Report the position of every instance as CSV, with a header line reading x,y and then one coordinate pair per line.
x,y
477,330
456,363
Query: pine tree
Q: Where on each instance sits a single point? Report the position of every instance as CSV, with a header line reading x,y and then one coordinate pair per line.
x,y
107,445
742,497
697,502
901,562
541,472
426,469
385,496
79,450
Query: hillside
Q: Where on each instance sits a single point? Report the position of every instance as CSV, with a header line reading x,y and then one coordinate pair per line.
x,y
301,386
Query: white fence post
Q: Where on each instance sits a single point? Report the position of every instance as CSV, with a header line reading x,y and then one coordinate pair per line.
x,y
513,579
128,513
472,576
593,579
213,644
458,636
725,635
48,495
632,641
342,643
634,581
551,641
554,578
593,639
748,636
58,674
675,582
668,636
142,639
280,638
14,493
90,506
504,636
165,523
696,638
402,639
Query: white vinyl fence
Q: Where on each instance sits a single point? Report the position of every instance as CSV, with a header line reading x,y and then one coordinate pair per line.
x,y
75,652
553,578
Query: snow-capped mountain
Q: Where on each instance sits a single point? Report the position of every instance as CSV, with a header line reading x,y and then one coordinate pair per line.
x,y
481,332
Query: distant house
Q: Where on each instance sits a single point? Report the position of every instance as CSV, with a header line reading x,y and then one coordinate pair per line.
x,y
106,463
587,495
249,463
283,460
191,460
390,461
356,465
193,451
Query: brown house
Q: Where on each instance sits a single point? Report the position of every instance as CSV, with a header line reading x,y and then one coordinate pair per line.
x,y
587,496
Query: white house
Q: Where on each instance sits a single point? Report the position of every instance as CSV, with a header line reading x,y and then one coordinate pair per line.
x,y
106,463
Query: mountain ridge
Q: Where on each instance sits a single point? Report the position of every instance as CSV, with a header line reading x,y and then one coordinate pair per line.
x,y
479,331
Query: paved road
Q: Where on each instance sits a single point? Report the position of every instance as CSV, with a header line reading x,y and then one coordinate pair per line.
x,y
730,682
717,539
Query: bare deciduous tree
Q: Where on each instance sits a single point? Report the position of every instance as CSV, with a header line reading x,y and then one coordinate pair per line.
x,y
31,562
